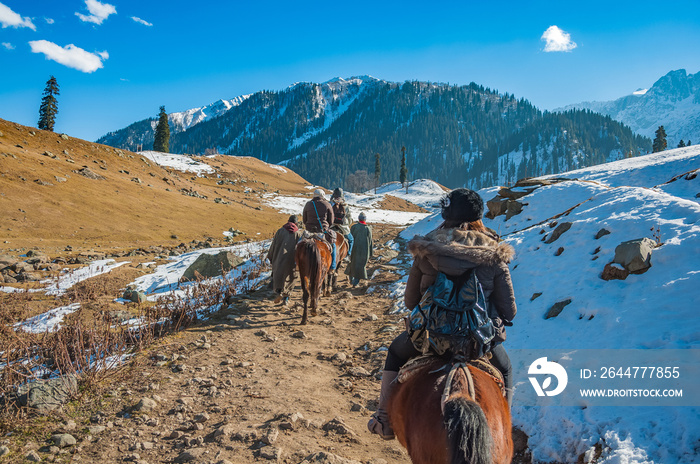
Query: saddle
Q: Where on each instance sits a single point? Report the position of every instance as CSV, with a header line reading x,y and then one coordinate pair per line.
x,y
415,365
319,237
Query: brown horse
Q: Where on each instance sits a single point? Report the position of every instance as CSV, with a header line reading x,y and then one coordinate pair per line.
x,y
341,252
471,430
313,258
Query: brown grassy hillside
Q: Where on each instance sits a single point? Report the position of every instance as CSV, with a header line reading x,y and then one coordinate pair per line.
x,y
45,201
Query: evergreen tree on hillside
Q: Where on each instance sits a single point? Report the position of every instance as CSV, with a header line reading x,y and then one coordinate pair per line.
x,y
377,171
681,144
49,105
403,174
660,140
162,138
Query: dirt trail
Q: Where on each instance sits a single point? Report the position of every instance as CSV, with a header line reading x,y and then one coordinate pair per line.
x,y
248,384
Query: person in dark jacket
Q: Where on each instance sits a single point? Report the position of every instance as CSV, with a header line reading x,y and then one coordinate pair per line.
x,y
461,243
281,257
318,217
341,216
361,252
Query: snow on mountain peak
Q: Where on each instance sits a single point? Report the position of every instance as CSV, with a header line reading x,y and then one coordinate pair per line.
x,y
640,91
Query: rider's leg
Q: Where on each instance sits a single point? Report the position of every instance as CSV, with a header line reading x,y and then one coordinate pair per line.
x,y
333,254
501,361
351,240
400,351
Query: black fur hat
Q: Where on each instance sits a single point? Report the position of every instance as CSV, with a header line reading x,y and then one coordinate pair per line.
x,y
293,218
462,205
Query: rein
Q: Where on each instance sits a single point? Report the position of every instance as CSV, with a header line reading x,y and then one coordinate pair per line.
x,y
448,384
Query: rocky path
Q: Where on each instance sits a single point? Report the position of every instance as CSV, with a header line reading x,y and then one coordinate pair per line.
x,y
249,384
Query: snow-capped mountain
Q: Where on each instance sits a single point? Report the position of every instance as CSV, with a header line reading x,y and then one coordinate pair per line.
x,y
330,133
142,132
673,102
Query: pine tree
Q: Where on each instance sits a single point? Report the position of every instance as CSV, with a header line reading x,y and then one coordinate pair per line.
x,y
659,141
403,174
681,144
377,171
161,141
49,105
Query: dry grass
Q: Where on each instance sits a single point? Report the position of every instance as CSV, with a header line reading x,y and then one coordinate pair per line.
x,y
116,212
90,343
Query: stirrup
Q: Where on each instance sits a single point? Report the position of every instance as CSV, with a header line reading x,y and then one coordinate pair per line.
x,y
377,425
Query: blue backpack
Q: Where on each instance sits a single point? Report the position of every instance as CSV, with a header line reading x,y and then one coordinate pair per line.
x,y
453,316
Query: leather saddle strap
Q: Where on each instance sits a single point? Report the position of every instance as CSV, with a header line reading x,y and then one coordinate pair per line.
x,y
447,391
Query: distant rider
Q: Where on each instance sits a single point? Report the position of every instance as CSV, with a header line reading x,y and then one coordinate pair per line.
x,y
281,256
341,213
318,217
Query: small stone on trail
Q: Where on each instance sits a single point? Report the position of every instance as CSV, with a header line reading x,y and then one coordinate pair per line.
x,y
146,404
63,440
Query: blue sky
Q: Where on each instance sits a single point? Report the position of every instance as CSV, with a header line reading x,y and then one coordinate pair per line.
x,y
130,57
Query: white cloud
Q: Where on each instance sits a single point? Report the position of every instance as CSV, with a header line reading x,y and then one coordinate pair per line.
x,y
9,18
141,21
557,40
49,21
98,12
8,45
70,55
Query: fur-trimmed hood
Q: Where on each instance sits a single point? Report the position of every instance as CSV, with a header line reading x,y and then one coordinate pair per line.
x,y
465,245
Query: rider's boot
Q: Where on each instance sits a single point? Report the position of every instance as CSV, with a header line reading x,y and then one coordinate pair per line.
x,y
379,423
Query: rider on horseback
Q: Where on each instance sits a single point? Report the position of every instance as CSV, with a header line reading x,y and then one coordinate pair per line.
x,y
461,243
342,218
318,217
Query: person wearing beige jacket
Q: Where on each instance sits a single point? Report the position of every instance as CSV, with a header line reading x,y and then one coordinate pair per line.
x,y
461,243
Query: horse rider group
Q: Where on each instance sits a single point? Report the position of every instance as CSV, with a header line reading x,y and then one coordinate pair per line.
x,y
459,245
319,217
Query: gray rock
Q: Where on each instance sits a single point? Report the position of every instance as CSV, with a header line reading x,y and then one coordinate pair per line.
x,y
557,308
192,455
4,450
496,206
513,208
32,456
270,453
602,233
96,429
338,426
211,265
561,228
134,296
299,334
635,255
47,395
146,404
86,172
613,271
63,440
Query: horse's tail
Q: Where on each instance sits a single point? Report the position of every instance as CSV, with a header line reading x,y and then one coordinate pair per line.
x,y
468,433
314,255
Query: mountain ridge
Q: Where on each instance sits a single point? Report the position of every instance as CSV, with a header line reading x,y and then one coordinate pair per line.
x,y
673,102
454,134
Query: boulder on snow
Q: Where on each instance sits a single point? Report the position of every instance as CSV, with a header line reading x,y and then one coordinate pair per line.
x,y
211,266
635,255
614,271
557,308
561,228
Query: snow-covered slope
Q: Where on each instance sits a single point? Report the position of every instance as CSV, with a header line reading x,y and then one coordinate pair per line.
x,y
673,102
185,119
654,310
